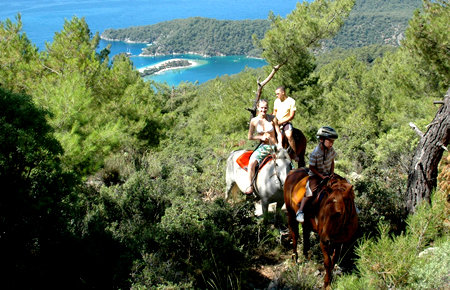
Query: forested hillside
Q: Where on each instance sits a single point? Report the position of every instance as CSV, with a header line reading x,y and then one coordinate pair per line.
x,y
196,35
112,182
370,22
375,22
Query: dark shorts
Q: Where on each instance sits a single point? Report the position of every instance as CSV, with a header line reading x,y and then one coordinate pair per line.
x,y
287,127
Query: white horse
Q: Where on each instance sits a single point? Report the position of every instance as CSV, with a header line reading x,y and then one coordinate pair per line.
x,y
269,182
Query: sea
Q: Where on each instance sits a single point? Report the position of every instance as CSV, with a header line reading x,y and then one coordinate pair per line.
x,y
41,19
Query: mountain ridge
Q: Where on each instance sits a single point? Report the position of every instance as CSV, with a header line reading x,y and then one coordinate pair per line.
x,y
380,22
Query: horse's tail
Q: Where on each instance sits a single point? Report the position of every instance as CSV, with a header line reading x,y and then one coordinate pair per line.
x,y
228,174
300,144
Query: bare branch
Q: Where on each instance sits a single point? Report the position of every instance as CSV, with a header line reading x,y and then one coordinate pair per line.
x,y
50,69
272,73
417,130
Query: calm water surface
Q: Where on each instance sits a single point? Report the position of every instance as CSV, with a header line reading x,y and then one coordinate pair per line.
x,y
41,19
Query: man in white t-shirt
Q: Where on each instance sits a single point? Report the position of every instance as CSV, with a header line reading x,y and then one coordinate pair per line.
x,y
284,110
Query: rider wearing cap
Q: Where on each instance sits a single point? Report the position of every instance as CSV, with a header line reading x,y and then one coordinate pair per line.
x,y
321,164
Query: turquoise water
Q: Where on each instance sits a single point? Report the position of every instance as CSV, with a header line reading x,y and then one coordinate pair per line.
x,y
41,19
209,68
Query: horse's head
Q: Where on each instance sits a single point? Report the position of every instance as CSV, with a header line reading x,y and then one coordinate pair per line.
x,y
337,211
282,154
283,163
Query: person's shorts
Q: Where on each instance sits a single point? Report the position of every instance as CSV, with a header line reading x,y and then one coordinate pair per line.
x,y
312,184
286,127
262,151
308,192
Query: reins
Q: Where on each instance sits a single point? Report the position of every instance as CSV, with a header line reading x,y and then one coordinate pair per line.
x,y
274,158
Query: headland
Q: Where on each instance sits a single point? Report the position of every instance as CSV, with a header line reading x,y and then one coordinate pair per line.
x,y
169,64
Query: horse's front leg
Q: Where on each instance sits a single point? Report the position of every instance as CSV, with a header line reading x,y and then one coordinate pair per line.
x,y
328,263
334,256
293,230
265,209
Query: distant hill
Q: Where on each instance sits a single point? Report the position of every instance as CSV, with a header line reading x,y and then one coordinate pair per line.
x,y
380,22
375,22
197,35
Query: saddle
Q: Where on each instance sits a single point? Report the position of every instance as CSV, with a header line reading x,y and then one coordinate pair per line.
x,y
300,190
244,159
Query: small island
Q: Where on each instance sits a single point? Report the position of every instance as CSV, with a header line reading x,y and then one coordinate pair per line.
x,y
166,65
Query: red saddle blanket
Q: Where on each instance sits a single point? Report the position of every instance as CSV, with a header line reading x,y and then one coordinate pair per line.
x,y
245,158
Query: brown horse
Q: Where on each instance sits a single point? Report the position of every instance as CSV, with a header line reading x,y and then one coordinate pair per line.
x,y
331,214
300,147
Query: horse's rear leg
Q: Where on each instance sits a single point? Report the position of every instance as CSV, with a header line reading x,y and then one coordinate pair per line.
x,y
232,191
306,242
278,218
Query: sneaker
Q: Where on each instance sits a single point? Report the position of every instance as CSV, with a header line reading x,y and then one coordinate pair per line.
x,y
300,216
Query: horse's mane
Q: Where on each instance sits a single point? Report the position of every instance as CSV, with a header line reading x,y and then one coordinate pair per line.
x,y
282,153
341,185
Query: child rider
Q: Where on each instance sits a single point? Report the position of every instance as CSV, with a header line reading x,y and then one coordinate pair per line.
x,y
321,165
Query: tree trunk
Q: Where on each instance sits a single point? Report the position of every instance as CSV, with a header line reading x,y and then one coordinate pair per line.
x,y
261,86
422,177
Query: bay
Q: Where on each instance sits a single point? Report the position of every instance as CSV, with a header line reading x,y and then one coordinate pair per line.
x,y
42,19
207,68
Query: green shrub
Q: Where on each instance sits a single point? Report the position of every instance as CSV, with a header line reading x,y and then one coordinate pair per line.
x,y
431,269
429,221
152,272
404,261
378,202
387,261
207,243
134,209
353,282
301,276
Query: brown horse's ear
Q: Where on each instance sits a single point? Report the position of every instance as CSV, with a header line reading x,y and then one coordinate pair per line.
x,y
330,182
351,192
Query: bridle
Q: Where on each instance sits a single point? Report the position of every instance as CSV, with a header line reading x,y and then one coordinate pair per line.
x,y
274,158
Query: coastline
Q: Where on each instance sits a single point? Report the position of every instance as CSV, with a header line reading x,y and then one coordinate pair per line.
x,y
121,40
174,53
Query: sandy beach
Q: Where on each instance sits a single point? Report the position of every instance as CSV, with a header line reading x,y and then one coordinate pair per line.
x,y
191,64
